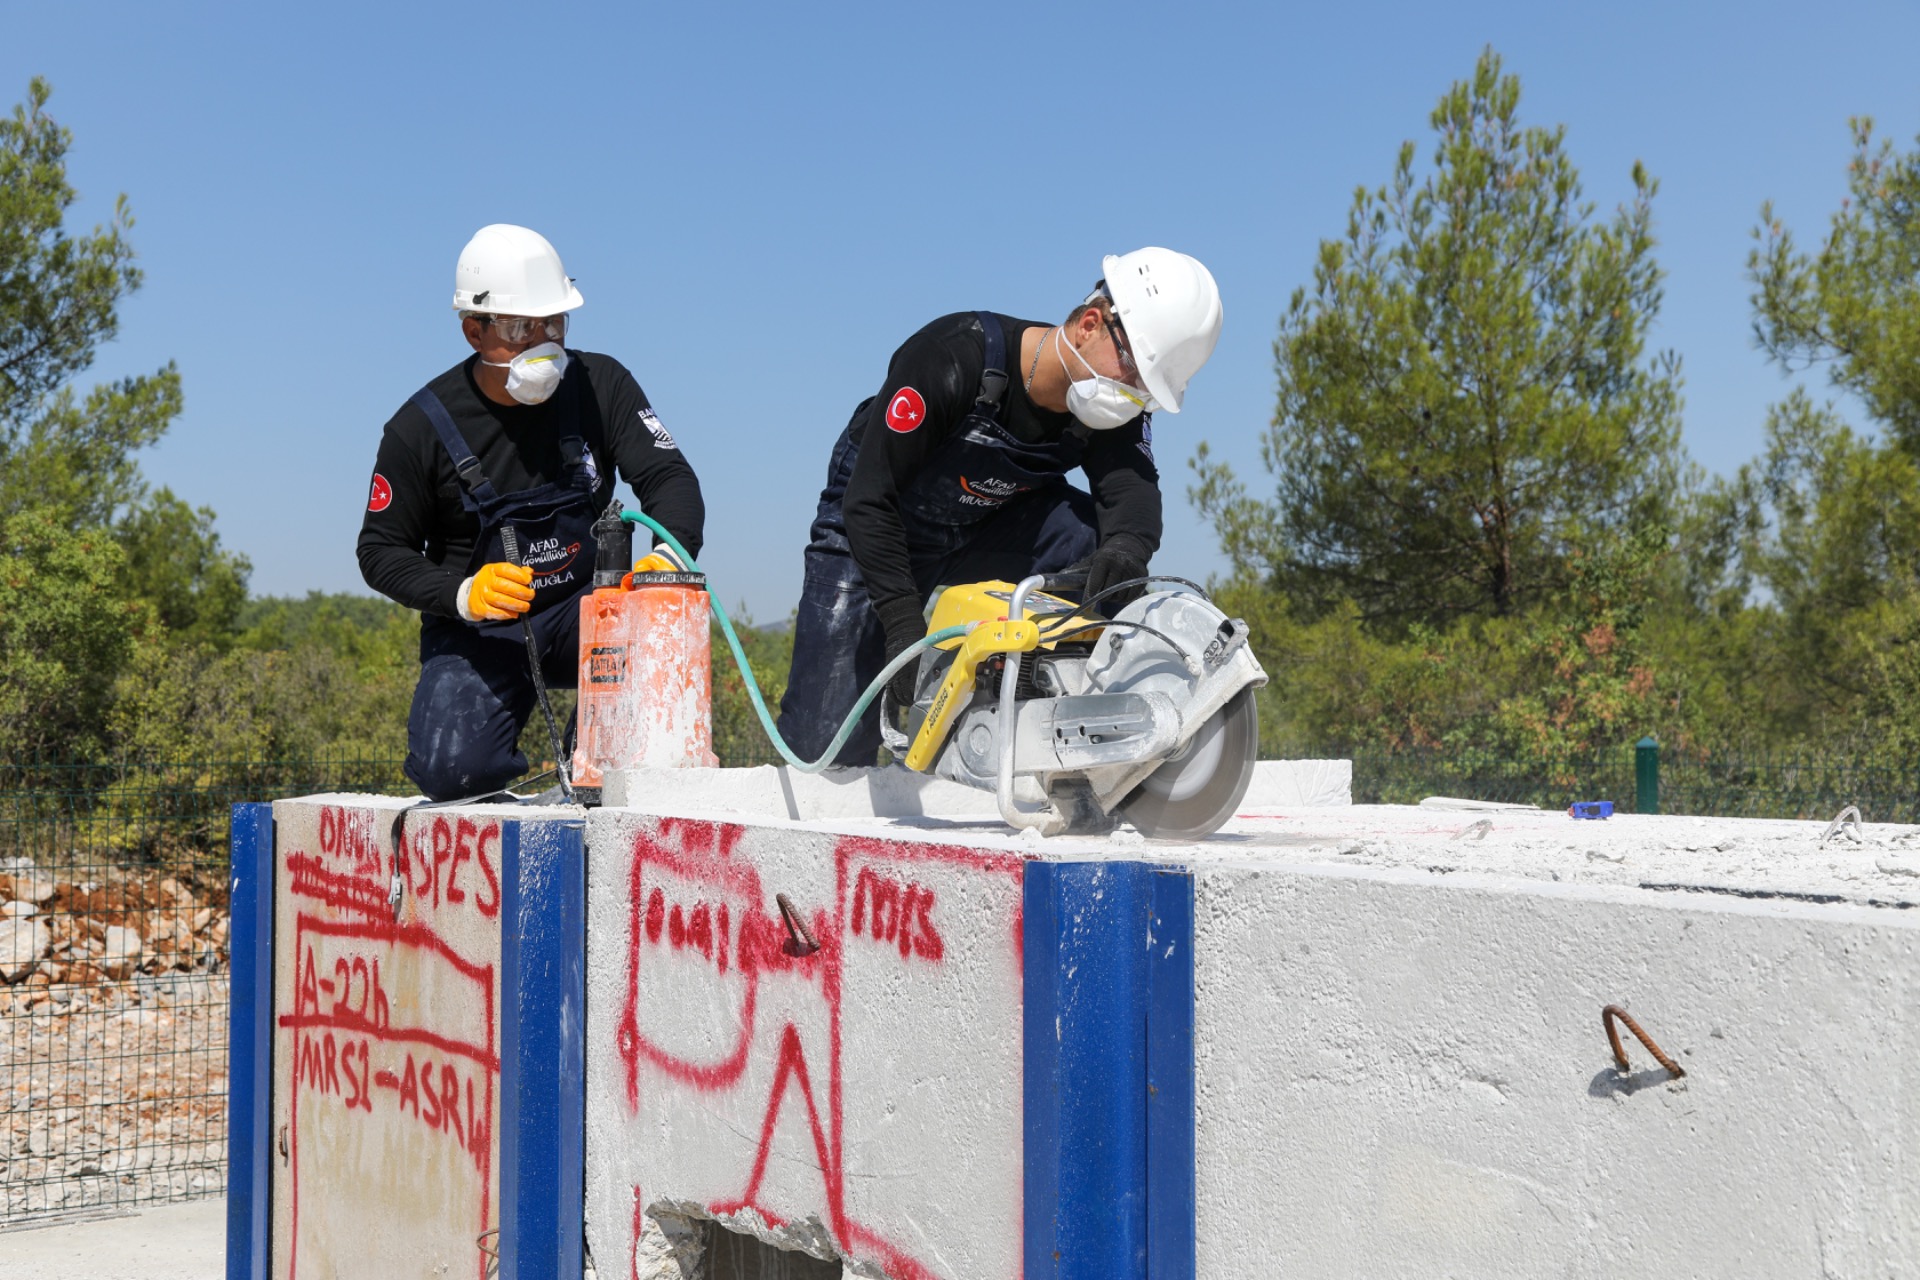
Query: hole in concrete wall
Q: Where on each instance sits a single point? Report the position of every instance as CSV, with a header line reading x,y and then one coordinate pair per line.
x,y
733,1256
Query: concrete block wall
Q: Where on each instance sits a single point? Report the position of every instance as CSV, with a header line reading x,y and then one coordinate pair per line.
x,y
1404,1073
1326,1042
959,1061
407,1031
862,1098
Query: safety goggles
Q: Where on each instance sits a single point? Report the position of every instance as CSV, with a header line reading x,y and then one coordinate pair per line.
x,y
1121,347
522,328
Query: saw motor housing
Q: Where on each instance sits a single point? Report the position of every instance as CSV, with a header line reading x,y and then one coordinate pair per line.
x,y
1101,707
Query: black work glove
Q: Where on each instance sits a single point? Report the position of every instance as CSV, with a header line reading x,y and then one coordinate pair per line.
x,y
904,624
1119,559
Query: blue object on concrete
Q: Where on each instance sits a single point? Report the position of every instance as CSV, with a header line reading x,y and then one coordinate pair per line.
x,y
250,1044
1591,809
1108,1028
543,1058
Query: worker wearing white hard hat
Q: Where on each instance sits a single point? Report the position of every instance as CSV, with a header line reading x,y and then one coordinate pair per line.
x,y
957,472
523,435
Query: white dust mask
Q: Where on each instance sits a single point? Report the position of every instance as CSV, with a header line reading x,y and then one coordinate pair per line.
x,y
534,373
1097,401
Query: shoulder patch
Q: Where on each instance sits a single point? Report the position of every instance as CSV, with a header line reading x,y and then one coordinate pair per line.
x,y
906,411
1146,436
380,495
661,438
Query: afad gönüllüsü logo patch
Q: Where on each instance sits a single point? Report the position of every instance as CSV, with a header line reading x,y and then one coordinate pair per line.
x,y
990,492
906,411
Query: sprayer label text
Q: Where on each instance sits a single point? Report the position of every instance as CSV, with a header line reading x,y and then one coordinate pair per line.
x,y
606,664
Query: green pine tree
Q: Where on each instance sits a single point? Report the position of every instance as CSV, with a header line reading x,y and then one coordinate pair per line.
x,y
1466,403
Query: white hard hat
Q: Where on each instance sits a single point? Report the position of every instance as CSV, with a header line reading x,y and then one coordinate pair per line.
x,y
1170,308
511,271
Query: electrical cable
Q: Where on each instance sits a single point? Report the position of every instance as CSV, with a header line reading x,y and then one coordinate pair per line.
x,y
1118,587
1091,627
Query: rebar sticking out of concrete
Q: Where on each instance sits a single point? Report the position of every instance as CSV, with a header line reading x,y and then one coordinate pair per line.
x,y
798,935
1612,1011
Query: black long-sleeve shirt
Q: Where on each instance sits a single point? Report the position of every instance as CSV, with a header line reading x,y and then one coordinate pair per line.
x,y
417,539
943,363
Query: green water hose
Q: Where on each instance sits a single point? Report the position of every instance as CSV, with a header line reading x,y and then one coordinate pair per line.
x,y
753,686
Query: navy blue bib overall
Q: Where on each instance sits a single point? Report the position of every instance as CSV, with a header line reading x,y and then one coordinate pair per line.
x,y
986,505
475,691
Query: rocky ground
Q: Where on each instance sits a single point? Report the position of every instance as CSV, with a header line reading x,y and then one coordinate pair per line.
x,y
113,1041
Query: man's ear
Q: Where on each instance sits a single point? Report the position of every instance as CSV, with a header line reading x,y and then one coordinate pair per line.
x,y
1088,323
471,326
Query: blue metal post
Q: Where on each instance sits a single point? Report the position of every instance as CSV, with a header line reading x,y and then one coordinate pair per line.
x,y
250,1044
1108,1024
543,1058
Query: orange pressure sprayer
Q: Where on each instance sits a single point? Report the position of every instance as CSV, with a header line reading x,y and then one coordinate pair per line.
x,y
646,675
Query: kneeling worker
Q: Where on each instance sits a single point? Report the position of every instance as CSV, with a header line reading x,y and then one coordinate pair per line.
x,y
526,434
956,472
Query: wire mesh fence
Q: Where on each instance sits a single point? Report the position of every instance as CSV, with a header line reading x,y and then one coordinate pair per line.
x,y
113,948
1704,784
1787,785
1407,777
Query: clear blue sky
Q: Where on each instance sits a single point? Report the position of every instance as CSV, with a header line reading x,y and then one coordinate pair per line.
x,y
760,201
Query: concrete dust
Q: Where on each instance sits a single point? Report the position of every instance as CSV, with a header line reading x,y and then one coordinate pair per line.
x,y
1741,857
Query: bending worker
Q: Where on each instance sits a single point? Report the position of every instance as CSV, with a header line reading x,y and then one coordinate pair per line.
x,y
956,472
524,433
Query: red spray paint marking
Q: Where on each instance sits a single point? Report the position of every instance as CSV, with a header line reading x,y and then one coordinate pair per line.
x,y
639,1229
457,865
361,1014
886,912
310,878
436,873
702,853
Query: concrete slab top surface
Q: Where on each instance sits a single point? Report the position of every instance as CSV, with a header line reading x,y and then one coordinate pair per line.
x,y
1873,864
1741,857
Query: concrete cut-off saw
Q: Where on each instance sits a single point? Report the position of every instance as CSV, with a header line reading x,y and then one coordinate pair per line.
x,y
1148,716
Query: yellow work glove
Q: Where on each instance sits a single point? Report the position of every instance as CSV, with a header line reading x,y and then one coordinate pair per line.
x,y
501,592
660,560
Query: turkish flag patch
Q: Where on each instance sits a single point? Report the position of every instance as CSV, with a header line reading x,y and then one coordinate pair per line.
x,y
380,497
906,411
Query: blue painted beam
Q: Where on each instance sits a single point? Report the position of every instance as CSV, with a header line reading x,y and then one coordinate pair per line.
x,y
1085,1016
1171,1204
1108,1062
250,1044
543,1062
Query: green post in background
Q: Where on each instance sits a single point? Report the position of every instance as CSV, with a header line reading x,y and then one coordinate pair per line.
x,y
1646,776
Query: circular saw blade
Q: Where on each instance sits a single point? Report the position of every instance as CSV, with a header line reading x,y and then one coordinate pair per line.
x,y
1195,791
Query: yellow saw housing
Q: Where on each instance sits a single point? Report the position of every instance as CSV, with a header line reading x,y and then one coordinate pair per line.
x,y
983,606
989,602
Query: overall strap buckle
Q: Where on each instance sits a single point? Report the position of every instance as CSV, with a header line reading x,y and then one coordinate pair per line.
x,y
993,378
468,469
